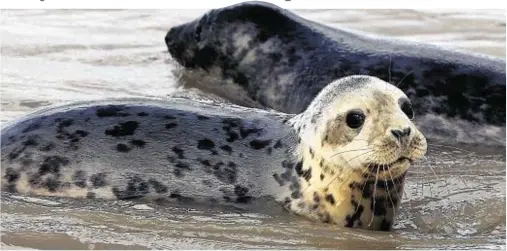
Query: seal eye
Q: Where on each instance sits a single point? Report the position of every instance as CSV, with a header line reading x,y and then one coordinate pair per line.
x,y
355,119
406,107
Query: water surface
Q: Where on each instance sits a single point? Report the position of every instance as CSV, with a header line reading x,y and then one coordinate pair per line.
x,y
455,198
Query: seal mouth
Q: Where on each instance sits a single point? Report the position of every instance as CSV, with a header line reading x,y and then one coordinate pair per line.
x,y
374,167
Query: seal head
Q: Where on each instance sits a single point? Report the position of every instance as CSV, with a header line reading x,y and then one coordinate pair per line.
x,y
357,143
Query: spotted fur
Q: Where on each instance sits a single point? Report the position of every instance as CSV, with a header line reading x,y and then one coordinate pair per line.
x,y
124,149
258,54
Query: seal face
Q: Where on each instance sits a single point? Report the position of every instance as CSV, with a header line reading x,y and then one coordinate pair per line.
x,y
357,144
262,55
342,161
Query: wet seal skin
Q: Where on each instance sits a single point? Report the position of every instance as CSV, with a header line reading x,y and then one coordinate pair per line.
x,y
342,161
265,56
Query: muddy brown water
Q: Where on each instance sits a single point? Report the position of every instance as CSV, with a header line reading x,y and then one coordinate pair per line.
x,y
455,197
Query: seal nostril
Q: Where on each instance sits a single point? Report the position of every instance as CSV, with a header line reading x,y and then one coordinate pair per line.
x,y
397,133
406,131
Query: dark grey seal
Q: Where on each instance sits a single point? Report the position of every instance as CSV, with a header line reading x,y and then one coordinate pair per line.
x,y
269,57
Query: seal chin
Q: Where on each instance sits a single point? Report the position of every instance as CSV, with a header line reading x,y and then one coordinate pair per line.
x,y
402,162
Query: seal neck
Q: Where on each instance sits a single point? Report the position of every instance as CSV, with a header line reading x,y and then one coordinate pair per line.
x,y
347,197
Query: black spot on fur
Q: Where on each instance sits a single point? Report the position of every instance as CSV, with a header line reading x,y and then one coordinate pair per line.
x,y
330,199
11,175
29,142
170,125
157,186
269,150
122,148
138,142
81,133
294,186
136,188
355,216
316,197
51,184
226,174
205,163
98,180
231,122
278,179
123,129
385,225
178,151
259,144
111,111
380,206
286,202
324,217
179,197
171,159
295,195
322,176
201,117
233,136
48,147
299,168
245,132
367,190
52,164
278,144
90,195
229,125
307,174
205,144
226,148
312,153
65,123
142,114
180,166
31,127
287,175
287,164
241,192
79,178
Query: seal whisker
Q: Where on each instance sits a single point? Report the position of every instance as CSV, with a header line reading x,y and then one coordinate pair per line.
x,y
438,178
401,81
374,200
396,190
354,150
351,170
389,192
389,70
452,147
362,190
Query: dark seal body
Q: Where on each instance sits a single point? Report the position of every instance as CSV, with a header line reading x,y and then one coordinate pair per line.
x,y
162,150
270,57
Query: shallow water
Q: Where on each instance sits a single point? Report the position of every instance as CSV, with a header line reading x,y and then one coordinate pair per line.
x,y
49,57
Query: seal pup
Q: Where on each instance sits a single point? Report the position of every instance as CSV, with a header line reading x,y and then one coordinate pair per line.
x,y
265,56
342,161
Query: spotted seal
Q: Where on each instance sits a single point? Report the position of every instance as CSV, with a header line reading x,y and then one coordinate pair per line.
x,y
266,56
342,161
